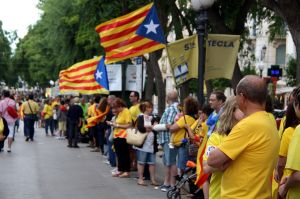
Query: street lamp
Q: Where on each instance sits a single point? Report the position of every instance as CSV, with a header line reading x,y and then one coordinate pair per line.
x,y
261,67
201,6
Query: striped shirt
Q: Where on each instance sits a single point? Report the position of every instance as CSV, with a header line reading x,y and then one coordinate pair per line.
x,y
167,118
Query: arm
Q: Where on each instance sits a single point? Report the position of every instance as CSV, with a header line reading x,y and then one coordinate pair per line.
x,y
140,124
172,128
288,182
207,168
218,159
279,168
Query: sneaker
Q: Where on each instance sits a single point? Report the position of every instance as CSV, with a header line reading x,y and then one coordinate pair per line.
x,y
114,169
8,150
165,188
106,162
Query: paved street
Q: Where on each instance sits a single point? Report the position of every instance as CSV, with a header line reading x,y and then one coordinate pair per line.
x,y
47,169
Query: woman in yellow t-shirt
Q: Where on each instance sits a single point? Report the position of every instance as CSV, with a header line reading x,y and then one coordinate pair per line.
x,y
291,122
229,117
121,123
179,133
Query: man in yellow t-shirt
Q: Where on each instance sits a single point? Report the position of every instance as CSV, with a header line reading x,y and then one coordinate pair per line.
x,y
249,153
135,111
290,184
48,117
135,108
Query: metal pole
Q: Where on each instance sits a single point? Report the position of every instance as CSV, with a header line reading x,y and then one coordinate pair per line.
x,y
201,22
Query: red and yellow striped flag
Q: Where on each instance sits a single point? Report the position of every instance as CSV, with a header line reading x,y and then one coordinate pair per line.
x,y
80,78
131,35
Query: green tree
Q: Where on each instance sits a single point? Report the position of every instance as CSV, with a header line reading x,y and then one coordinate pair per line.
x,y
291,71
6,74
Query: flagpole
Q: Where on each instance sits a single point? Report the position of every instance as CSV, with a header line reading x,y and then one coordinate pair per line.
x,y
142,86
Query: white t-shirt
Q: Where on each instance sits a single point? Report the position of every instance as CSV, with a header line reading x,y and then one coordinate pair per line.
x,y
148,144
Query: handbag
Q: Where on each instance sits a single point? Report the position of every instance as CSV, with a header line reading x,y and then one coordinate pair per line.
x,y
135,137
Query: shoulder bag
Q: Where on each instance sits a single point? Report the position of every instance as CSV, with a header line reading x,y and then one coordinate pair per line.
x,y
135,137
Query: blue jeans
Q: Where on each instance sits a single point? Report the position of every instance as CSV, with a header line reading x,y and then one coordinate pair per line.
x,y
111,153
49,123
29,127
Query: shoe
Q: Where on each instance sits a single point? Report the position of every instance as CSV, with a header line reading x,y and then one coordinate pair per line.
x,y
124,175
8,150
76,146
165,188
27,139
154,183
106,162
114,169
116,174
142,183
31,139
69,146
95,150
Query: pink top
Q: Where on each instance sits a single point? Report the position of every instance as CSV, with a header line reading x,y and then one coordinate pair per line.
x,y
3,106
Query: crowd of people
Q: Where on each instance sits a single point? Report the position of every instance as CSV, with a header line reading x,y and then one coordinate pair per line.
x,y
234,140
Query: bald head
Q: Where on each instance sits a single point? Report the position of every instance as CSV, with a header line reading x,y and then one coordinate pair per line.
x,y
253,88
172,96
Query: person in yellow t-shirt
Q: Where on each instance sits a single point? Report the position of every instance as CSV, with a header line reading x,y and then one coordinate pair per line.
x,y
249,153
229,117
121,123
290,185
289,128
134,110
198,134
179,133
48,117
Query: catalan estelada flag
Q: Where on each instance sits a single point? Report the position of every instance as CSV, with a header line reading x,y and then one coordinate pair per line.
x,y
81,76
131,35
93,121
201,176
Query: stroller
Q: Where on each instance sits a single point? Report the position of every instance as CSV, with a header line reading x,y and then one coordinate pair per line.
x,y
188,177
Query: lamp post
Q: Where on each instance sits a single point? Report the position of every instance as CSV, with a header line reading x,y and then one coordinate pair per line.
x,y
201,6
261,68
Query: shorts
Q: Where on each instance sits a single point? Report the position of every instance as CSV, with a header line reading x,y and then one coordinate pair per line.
x,y
11,131
182,154
62,126
169,157
145,157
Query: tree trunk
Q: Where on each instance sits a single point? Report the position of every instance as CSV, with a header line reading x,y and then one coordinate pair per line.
x,y
184,91
159,83
289,10
149,82
237,75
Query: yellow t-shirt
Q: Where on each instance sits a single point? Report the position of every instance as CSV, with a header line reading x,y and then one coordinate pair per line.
x,y
285,141
216,177
293,162
48,111
252,145
54,103
284,146
135,111
177,136
282,123
123,117
199,129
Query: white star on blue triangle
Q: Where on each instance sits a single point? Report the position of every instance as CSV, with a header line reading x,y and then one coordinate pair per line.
x,y
151,28
100,74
